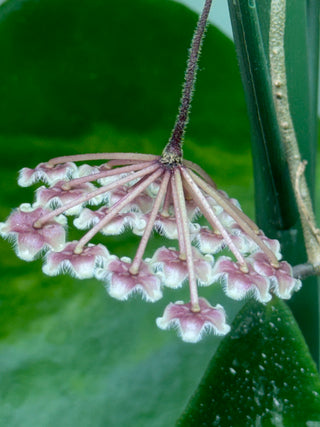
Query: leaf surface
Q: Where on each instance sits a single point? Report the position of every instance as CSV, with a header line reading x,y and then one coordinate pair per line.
x,y
262,374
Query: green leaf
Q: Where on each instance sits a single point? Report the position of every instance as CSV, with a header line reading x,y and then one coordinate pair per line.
x,y
276,210
262,374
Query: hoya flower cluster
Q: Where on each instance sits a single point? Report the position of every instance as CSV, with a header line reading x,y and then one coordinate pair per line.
x,y
147,193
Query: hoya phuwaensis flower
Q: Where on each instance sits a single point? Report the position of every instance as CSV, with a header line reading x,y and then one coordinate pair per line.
x,y
146,193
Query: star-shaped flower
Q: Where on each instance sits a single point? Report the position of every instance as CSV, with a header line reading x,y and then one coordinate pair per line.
x,y
142,203
30,240
174,271
167,226
283,284
121,283
121,222
62,193
147,193
47,173
212,242
237,283
80,265
192,325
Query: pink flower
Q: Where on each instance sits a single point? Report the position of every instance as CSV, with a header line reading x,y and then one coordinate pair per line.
x,y
273,244
283,284
174,271
192,210
142,203
86,170
167,226
47,173
121,283
227,221
238,284
108,179
81,265
192,325
29,241
59,194
146,192
153,188
231,200
211,242
217,209
121,222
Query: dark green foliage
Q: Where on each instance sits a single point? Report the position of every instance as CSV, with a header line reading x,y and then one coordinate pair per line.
x,y
262,374
67,65
276,210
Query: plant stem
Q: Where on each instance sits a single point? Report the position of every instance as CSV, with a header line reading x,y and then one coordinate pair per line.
x,y
280,92
212,218
276,208
99,191
135,265
172,153
302,271
105,174
178,188
116,208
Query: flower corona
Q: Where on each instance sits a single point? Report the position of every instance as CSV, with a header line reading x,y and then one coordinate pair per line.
x,y
145,195
110,192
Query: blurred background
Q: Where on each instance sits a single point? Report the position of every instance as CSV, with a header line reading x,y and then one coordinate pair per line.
x,y
99,76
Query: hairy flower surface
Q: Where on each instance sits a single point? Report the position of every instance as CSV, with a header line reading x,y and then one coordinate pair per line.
x,y
111,192
121,222
59,194
282,282
28,239
144,193
237,284
211,242
174,270
46,173
191,325
81,265
142,203
121,283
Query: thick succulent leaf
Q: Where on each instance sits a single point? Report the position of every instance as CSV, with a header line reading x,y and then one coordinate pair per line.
x,y
262,374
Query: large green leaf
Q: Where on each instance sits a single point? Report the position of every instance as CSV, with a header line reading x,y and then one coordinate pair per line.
x,y
103,76
276,209
261,375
